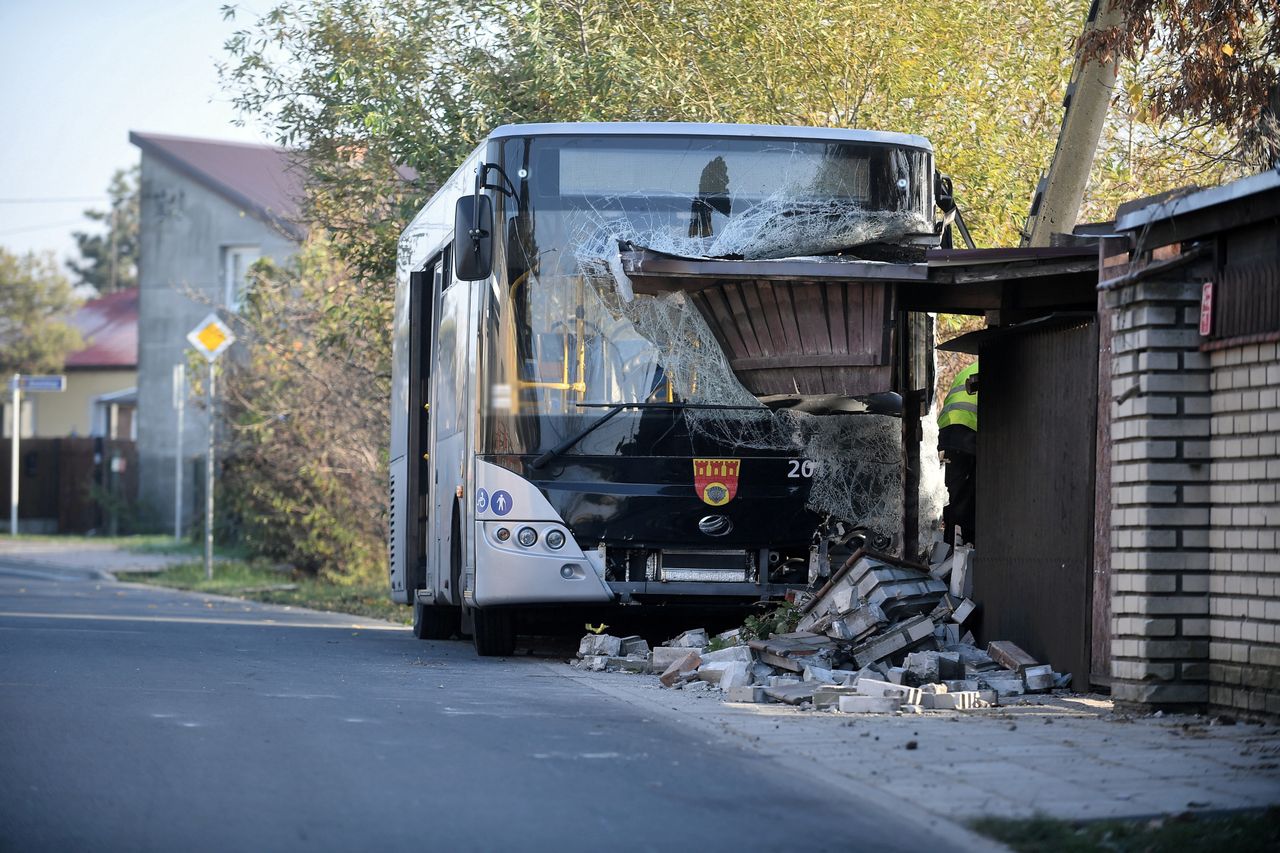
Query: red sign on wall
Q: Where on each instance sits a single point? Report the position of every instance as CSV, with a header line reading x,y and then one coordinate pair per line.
x,y
1206,309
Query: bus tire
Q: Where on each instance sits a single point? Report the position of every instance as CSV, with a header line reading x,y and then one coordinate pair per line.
x,y
432,622
494,632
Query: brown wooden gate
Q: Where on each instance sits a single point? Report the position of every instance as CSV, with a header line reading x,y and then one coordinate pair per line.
x,y
1035,510
74,485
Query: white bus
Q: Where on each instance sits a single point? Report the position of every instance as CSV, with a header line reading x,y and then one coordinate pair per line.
x,y
547,449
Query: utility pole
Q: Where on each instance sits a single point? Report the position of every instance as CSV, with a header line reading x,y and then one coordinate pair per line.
x,y
1056,205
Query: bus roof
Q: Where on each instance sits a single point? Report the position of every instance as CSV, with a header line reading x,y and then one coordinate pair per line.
x,y
676,128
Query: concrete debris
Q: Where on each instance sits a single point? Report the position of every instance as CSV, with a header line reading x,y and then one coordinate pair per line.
x,y
869,704
792,694
697,638
599,644
633,646
733,653
881,636
1010,656
663,656
962,571
684,669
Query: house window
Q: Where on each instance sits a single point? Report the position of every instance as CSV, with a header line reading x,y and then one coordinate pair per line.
x,y
236,261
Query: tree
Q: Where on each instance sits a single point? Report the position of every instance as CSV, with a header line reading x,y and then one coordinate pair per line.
x,y
1206,61
35,302
109,261
308,423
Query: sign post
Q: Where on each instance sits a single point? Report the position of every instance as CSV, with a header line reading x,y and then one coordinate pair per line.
x,y
211,339
179,403
17,385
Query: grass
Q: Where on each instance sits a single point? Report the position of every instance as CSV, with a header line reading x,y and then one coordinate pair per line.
x,y
157,543
1244,832
258,581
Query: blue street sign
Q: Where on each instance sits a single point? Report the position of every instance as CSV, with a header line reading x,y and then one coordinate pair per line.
x,y
40,383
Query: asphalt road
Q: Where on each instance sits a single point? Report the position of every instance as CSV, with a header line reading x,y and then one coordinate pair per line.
x,y
143,719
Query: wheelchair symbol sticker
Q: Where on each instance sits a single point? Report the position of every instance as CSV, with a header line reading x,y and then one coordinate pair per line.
x,y
482,500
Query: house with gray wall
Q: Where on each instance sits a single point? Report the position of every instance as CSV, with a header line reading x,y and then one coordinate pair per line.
x,y
209,210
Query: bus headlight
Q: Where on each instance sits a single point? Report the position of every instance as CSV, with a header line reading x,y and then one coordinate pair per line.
x,y
555,540
527,536
502,534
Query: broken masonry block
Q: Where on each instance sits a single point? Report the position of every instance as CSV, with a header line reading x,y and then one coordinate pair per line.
x,y
962,572
1009,656
736,674
794,651
761,672
731,638
871,687
934,688
633,646
697,638
897,638
744,694
733,653
1038,678
896,674
929,666
912,709
962,612
962,701
827,696
972,656
1007,684
792,694
959,684
599,644
664,656
939,553
817,673
968,639
634,663
858,623
595,663
990,697
779,680
681,670
844,676
868,704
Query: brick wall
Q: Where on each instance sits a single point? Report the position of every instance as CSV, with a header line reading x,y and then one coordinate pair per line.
x,y
1244,586
1160,494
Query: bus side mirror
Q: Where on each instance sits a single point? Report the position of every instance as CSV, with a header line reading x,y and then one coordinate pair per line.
x,y
473,238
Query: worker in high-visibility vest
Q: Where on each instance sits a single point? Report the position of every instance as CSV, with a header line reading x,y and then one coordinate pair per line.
x,y
958,443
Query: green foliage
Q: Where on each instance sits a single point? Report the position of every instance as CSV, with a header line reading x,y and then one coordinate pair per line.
x,y
258,580
36,302
1241,833
306,463
109,261
781,619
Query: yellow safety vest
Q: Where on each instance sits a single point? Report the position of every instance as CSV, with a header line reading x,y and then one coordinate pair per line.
x,y
960,408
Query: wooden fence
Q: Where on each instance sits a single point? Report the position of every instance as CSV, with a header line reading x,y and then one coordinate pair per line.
x,y
73,485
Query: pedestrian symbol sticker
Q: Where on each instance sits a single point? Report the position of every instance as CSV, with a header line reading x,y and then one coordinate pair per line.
x,y
501,503
482,500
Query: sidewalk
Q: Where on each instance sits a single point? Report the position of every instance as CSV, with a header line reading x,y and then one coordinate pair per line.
x,y
1065,757
82,556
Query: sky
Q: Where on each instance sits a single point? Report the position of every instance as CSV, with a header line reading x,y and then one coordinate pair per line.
x,y
75,77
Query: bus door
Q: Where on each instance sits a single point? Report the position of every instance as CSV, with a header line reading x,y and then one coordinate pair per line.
x,y
451,388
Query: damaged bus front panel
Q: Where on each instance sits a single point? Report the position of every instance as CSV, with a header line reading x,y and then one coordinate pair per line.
x,y
604,449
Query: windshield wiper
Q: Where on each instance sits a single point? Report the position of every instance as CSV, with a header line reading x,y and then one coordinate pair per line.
x,y
614,409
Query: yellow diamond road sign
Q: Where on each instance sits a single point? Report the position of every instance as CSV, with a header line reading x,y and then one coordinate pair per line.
x,y
211,337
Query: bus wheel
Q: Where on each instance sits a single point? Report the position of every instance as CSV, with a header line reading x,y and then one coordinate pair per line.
x,y
494,632
432,622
